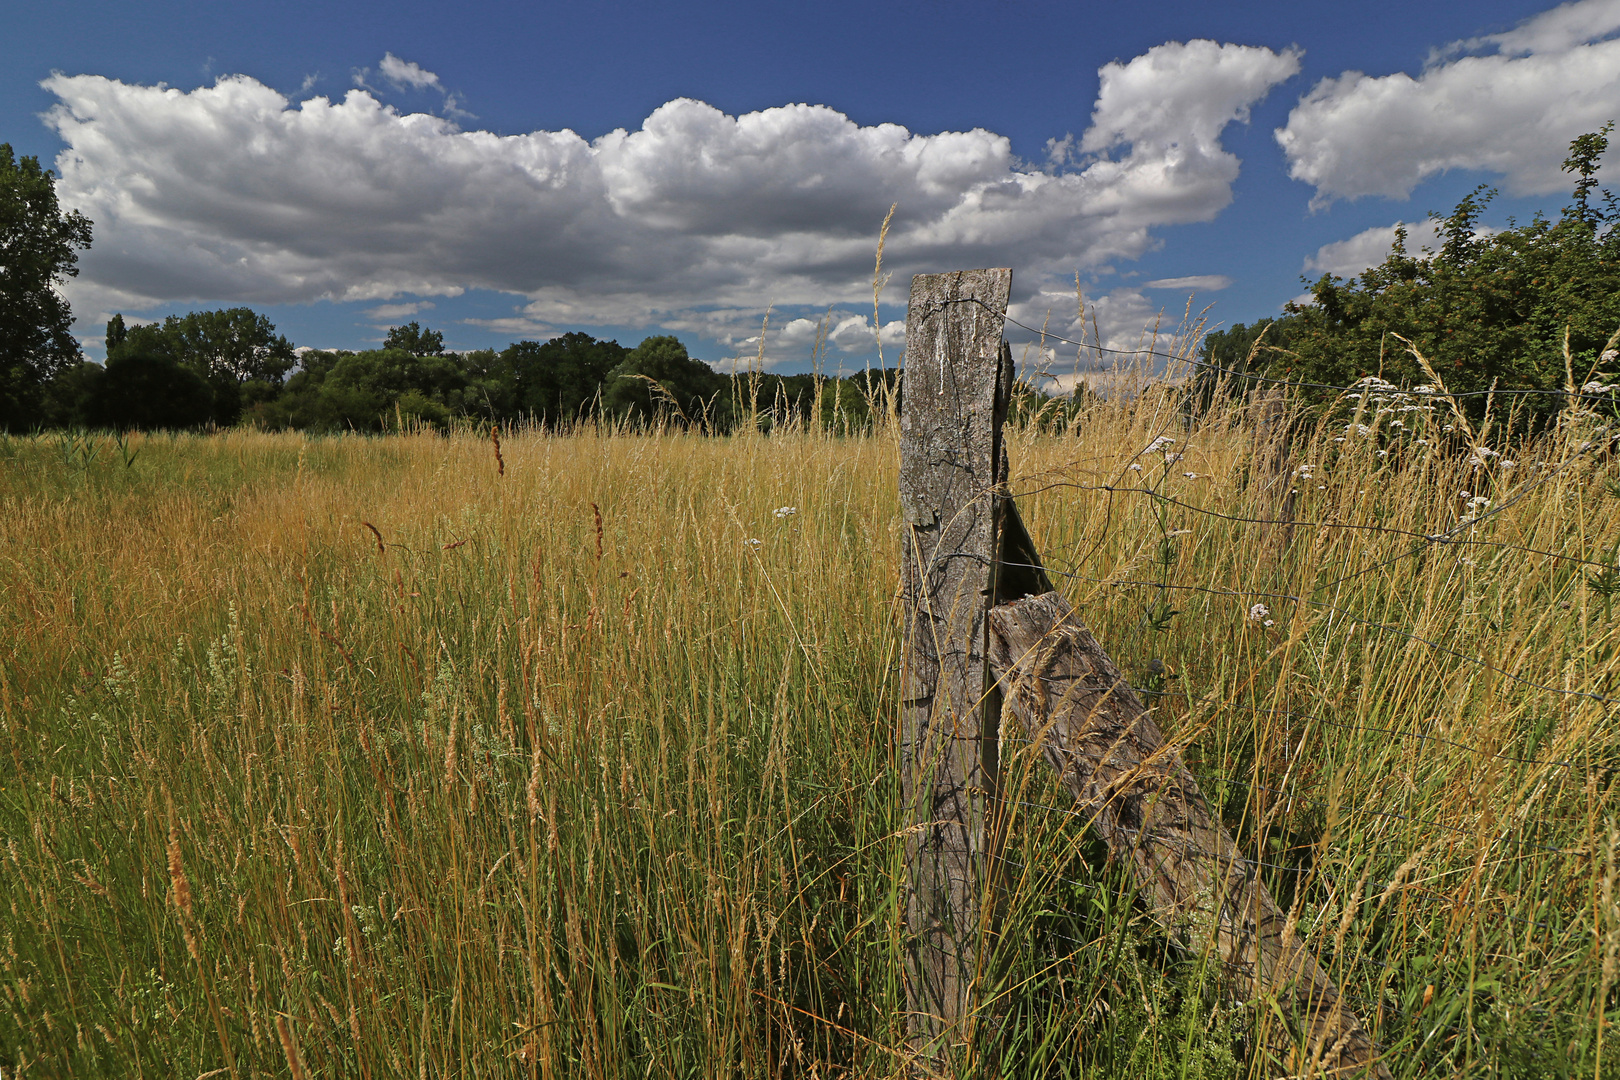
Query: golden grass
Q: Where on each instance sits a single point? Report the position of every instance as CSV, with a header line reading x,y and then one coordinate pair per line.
x,y
570,777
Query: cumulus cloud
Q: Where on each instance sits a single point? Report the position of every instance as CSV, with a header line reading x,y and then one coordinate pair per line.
x,y
1368,248
404,73
697,221
1511,110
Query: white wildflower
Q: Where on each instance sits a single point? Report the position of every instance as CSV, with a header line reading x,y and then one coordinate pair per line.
x,y
785,511
1135,467
1190,475
1383,453
1258,612
1269,622
753,542
1163,442
1171,459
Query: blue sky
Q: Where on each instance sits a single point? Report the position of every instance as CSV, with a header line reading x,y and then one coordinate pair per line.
x,y
502,171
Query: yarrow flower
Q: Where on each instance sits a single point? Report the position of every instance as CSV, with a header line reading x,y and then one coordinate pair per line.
x,y
785,511
1162,442
753,542
1259,612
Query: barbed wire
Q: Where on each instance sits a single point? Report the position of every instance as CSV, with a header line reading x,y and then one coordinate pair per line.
x,y
1446,537
1235,373
1340,612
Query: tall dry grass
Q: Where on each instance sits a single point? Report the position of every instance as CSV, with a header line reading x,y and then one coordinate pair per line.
x,y
355,757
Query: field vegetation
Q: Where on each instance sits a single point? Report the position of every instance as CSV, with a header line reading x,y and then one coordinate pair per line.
x,y
573,754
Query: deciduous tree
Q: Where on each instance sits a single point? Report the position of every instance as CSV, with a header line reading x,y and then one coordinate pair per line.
x,y
39,246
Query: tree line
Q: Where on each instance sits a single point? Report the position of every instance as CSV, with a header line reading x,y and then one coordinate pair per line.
x,y
227,368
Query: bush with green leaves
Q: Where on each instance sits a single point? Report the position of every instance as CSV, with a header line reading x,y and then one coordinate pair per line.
x,y
1529,307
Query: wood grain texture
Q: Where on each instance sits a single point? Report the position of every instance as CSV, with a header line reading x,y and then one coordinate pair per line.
x,y
1136,793
953,402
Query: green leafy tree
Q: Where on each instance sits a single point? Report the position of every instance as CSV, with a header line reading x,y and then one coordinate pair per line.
x,y
236,351
1486,308
39,246
145,390
658,379
371,391
413,339
558,382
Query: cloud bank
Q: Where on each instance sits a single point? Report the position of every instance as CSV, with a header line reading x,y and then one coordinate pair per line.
x,y
698,220
1512,110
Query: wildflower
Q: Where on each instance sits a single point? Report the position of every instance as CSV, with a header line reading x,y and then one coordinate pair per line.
x,y
1190,475
1396,423
1171,459
1339,439
1269,622
785,511
1258,612
1599,388
1135,467
1478,502
1161,443
1383,453
1304,471
1465,494
1362,429
1423,388
753,542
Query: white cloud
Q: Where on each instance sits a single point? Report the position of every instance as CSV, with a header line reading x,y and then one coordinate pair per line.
x,y
1514,113
1562,28
1368,248
398,311
404,73
695,222
1195,283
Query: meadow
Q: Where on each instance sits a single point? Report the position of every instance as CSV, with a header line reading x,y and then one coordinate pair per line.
x,y
574,756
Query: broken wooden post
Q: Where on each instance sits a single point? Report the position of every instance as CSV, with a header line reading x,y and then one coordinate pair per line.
x,y
952,406
1135,792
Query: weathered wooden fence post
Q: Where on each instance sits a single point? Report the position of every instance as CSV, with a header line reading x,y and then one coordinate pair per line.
x,y
952,406
986,638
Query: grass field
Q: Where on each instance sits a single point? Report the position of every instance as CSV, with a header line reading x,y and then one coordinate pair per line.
x,y
355,757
